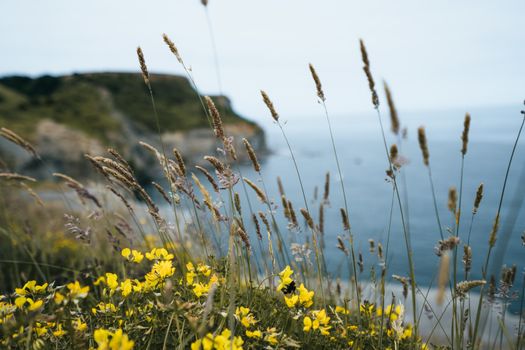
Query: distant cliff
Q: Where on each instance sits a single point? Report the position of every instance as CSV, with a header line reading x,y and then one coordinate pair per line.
x,y
68,116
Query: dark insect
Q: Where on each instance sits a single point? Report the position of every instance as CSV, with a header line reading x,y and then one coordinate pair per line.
x,y
289,288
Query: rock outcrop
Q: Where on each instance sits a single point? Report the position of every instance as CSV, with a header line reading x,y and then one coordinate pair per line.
x,y
67,117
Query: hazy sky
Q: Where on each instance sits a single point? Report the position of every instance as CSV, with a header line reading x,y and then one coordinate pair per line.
x,y
439,54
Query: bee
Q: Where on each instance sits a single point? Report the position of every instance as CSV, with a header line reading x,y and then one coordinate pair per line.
x,y
289,288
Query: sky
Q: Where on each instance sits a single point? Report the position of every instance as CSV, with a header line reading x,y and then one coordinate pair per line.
x,y
433,54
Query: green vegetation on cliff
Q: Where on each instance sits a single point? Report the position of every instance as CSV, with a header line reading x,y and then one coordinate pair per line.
x,y
93,103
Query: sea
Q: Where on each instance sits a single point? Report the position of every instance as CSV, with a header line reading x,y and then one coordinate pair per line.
x,y
372,206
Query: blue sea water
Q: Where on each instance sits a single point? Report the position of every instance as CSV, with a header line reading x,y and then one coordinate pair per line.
x,y
363,162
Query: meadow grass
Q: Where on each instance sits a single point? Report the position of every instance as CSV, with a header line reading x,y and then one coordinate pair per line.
x,y
106,269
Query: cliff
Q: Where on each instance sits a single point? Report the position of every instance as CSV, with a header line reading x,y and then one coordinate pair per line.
x,y
68,116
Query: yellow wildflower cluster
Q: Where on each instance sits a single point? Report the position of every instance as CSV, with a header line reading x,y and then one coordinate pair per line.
x,y
107,340
222,341
248,320
304,297
132,255
319,321
202,272
114,312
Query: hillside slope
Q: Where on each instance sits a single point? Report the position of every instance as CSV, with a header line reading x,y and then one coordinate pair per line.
x,y
68,116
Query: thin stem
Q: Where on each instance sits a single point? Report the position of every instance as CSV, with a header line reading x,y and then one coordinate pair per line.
x,y
405,232
350,238
484,271
435,202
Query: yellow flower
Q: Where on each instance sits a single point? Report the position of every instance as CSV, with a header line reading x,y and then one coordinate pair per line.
x,y
342,310
79,325
305,296
59,298
126,252
159,254
126,287
111,281
271,336
132,255
34,305
107,340
320,321
307,322
77,291
205,270
31,287
59,331
104,308
291,300
254,334
120,341
322,317
190,276
40,329
407,332
285,277
221,341
138,286
20,301
366,308
159,272
200,289
203,344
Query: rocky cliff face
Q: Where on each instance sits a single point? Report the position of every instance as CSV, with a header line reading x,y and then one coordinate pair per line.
x,y
67,117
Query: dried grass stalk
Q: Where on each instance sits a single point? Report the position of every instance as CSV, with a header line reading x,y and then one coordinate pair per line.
x,y
326,187
210,178
121,160
366,68
270,106
121,197
317,81
33,194
462,288
443,278
467,257
12,136
219,166
143,67
265,221
244,237
321,218
80,190
16,177
258,191
452,199
494,231
477,200
394,119
257,226
216,118
308,218
464,136
422,138
180,161
280,186
172,47
237,202
293,216
207,198
252,155
162,192
344,217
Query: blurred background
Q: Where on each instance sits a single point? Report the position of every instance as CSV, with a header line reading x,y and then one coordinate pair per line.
x,y
440,59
